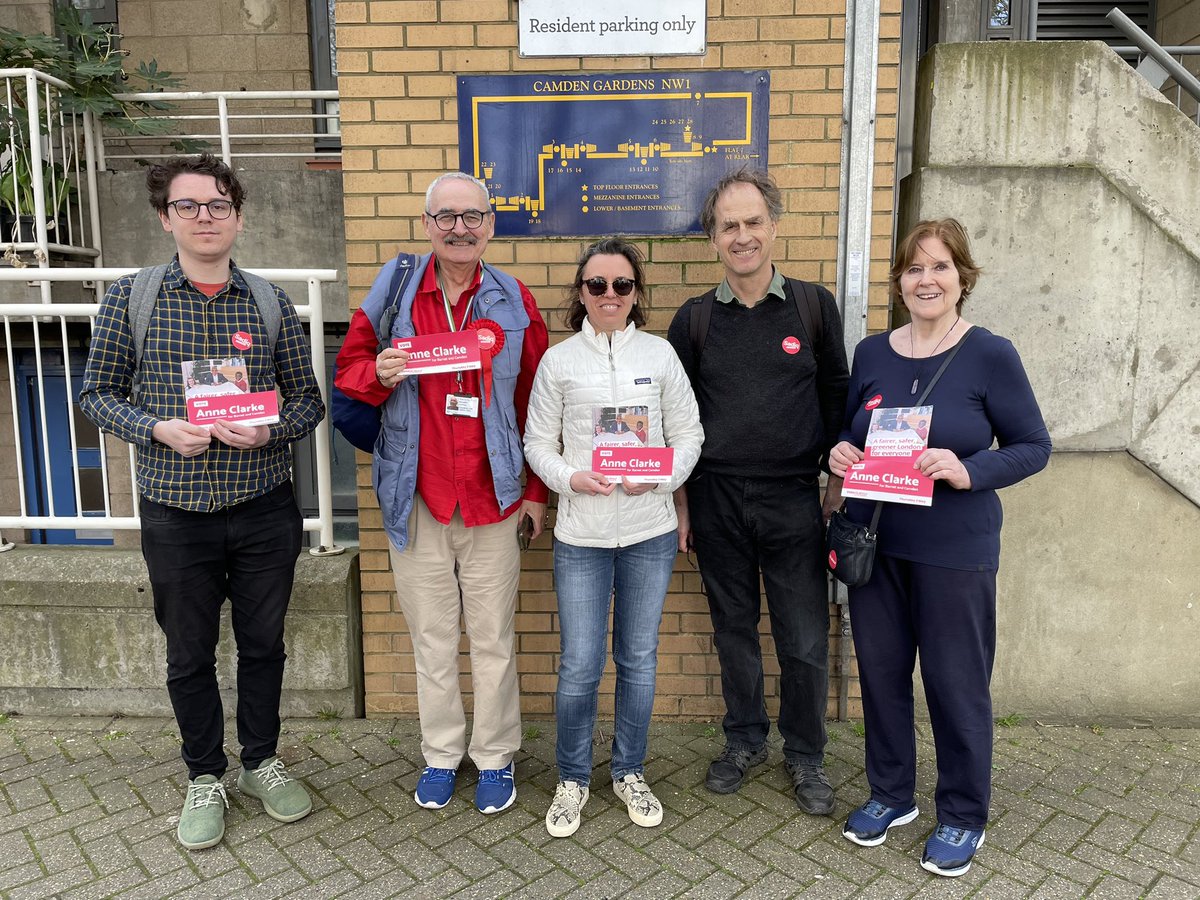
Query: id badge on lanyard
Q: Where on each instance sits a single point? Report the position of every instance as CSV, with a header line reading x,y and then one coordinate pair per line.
x,y
459,402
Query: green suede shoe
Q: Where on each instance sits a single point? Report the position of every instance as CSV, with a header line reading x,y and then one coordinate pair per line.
x,y
202,822
283,799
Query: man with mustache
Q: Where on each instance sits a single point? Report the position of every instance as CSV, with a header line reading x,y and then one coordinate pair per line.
x,y
447,471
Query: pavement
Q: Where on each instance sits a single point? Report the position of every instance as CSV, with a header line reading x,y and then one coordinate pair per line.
x,y
88,808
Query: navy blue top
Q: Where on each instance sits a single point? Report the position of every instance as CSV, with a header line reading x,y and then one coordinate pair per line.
x,y
983,395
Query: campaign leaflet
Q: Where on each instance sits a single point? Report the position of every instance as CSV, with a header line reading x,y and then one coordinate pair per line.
x,y
220,389
648,465
452,351
895,438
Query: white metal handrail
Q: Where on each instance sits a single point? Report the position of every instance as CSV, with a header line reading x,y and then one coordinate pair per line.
x,y
37,314
249,143
43,140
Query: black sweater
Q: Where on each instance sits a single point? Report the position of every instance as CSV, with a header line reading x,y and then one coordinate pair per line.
x,y
767,412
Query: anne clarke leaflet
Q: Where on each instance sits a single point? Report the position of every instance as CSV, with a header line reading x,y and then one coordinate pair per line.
x,y
220,389
895,438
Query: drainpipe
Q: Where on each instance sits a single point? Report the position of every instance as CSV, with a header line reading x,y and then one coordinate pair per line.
x,y
854,227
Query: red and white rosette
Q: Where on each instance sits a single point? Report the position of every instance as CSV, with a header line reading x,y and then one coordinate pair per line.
x,y
491,342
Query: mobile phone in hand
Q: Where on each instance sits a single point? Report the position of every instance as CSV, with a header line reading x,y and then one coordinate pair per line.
x,y
524,533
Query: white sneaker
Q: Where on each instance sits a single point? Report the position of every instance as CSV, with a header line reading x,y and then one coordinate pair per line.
x,y
562,818
644,808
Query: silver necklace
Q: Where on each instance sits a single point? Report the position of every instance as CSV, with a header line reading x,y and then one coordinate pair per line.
x,y
913,352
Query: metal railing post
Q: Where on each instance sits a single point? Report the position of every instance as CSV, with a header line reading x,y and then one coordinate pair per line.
x,y
223,112
33,117
94,161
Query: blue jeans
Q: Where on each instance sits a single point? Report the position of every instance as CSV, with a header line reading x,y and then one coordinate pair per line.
x,y
586,579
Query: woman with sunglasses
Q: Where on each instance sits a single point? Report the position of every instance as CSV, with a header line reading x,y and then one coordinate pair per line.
x,y
614,543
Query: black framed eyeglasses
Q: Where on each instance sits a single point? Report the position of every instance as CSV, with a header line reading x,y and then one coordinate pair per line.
x,y
622,287
190,209
446,221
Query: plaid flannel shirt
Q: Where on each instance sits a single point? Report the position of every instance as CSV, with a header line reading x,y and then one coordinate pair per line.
x,y
187,325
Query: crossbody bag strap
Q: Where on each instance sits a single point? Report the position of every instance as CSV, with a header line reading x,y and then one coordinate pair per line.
x,y
942,368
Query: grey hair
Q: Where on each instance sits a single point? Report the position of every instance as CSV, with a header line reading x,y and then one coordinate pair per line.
x,y
457,176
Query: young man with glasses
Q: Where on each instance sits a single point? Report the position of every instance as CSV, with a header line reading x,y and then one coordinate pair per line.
x,y
219,518
447,469
772,393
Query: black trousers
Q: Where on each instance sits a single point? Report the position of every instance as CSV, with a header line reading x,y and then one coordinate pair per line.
x,y
247,553
948,617
741,528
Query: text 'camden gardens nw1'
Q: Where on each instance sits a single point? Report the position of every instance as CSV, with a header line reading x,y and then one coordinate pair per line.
x,y
624,25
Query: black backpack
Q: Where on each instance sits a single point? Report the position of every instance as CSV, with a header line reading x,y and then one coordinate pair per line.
x,y
809,312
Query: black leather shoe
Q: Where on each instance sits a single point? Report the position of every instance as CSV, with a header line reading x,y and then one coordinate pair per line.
x,y
727,770
813,792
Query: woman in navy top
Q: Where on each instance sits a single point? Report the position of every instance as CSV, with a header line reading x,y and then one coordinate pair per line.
x,y
933,588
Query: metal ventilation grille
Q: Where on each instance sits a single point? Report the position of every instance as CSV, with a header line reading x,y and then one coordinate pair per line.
x,y
1078,20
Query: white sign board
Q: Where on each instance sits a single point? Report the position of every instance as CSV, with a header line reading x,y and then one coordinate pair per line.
x,y
613,28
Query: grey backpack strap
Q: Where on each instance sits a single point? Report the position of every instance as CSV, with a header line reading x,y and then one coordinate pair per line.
x,y
142,297
140,306
268,305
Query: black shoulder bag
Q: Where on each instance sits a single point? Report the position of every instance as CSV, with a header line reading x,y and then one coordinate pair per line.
x,y
850,547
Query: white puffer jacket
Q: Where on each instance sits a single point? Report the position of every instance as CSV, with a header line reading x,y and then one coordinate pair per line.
x,y
586,371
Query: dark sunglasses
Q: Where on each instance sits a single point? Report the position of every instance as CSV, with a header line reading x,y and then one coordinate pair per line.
x,y
622,287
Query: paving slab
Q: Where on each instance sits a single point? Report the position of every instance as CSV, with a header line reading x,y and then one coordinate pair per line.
x,y
88,808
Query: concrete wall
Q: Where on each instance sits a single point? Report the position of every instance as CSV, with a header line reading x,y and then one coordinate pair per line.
x,y
27,16
222,45
1081,188
293,220
80,636
1099,595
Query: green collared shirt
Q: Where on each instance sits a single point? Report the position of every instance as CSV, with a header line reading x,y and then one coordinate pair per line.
x,y
775,288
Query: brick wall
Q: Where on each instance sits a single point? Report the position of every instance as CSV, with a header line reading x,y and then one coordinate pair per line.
x,y
398,60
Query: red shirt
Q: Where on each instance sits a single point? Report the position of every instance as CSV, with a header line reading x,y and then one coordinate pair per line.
x,y
453,469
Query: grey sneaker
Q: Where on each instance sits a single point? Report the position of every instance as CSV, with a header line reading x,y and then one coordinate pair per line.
x,y
644,808
284,799
562,818
202,822
813,792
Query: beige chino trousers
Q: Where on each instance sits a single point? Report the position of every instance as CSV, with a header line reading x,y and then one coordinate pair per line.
x,y
445,571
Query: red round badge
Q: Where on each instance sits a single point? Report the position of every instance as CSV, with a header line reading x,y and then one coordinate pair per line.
x,y
832,560
487,340
242,340
791,345
873,402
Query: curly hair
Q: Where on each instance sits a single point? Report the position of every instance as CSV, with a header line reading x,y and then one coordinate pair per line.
x,y
160,176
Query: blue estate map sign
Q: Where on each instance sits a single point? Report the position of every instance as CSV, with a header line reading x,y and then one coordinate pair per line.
x,y
592,154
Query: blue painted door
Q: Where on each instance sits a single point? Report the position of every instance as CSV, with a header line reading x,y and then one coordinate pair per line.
x,y
57,438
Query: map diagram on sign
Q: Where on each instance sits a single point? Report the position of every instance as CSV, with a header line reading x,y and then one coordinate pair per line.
x,y
634,153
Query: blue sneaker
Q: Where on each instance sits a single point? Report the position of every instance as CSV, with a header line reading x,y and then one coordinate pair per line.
x,y
435,787
868,825
949,850
496,790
